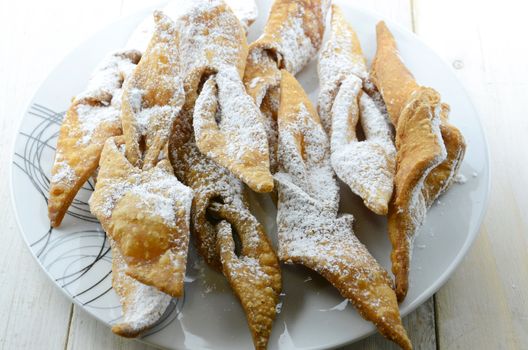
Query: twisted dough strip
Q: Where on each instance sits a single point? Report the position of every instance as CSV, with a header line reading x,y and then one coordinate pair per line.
x,y
227,123
142,305
209,181
146,213
429,150
246,12
367,167
219,207
292,36
92,118
153,96
253,273
310,230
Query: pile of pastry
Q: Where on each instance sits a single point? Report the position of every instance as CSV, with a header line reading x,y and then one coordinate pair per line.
x,y
178,132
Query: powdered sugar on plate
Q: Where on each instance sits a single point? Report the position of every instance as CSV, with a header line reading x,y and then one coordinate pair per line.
x,y
460,179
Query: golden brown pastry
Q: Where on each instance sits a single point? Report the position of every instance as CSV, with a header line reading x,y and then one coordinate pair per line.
x,y
253,273
209,181
220,210
227,124
92,118
368,166
245,10
292,36
146,213
153,96
310,230
429,150
142,305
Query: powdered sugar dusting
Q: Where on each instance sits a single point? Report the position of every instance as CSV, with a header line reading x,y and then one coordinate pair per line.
x,y
100,102
109,76
91,117
62,171
245,10
209,180
310,230
284,44
239,118
142,305
160,195
417,205
295,47
209,42
367,167
460,179
340,58
159,192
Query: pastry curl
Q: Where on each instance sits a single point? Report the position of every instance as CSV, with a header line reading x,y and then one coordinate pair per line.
x,y
253,273
142,305
310,230
292,36
368,166
92,118
429,150
153,96
146,213
227,123
219,208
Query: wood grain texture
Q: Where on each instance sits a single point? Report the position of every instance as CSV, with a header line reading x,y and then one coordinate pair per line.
x,y
485,304
420,326
34,36
88,333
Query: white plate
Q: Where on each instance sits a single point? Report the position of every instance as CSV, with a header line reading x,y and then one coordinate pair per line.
x,y
76,256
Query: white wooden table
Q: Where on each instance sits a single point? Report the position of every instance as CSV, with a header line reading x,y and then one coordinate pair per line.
x,y
483,306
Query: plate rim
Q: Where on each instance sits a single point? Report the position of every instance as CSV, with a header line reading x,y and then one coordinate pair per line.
x,y
426,294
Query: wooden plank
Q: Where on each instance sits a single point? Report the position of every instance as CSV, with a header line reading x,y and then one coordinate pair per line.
x,y
27,296
35,36
420,326
88,333
485,304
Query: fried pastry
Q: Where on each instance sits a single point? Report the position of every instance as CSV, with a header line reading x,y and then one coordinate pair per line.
x,y
153,96
310,230
292,36
209,181
219,211
245,10
146,213
227,124
368,166
253,273
142,305
92,118
429,150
